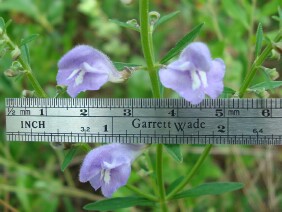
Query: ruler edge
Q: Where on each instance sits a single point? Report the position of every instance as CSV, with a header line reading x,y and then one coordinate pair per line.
x,y
267,102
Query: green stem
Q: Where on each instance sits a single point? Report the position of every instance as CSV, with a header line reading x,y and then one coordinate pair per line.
x,y
137,191
147,46
35,84
256,65
160,181
192,173
148,52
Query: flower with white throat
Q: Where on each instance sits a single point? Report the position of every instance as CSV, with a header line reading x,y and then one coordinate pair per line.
x,y
194,74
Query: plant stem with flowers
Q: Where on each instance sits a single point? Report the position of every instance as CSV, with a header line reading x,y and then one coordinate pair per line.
x,y
193,75
148,49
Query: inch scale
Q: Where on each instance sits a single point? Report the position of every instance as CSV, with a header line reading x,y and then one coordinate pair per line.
x,y
166,121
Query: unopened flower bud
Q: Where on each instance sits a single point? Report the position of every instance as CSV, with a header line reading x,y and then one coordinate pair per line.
x,y
28,94
154,17
278,47
275,55
17,66
262,93
272,73
133,22
16,53
11,73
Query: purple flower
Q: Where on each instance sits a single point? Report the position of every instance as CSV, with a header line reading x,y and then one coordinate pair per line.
x,y
85,68
194,74
108,167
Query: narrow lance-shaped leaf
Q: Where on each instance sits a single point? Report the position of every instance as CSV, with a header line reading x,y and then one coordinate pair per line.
x,y
166,18
117,203
182,44
174,151
28,39
267,85
210,189
259,39
68,158
25,51
120,66
126,25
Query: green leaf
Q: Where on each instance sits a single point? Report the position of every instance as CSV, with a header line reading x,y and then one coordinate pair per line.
x,y
173,185
126,25
68,158
267,85
175,151
210,189
120,66
182,44
26,53
166,18
227,92
28,39
259,39
118,203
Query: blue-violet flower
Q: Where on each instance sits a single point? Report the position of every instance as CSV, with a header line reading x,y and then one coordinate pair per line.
x,y
85,68
108,167
194,74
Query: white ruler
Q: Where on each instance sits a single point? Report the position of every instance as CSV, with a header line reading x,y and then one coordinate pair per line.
x,y
170,121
